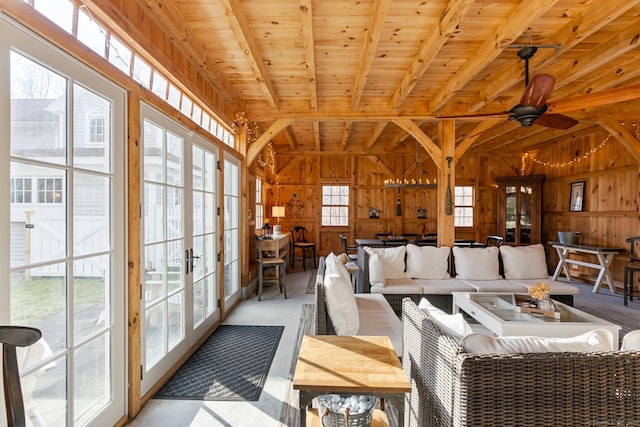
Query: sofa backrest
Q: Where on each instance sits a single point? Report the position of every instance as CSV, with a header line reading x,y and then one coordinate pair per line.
x,y
323,324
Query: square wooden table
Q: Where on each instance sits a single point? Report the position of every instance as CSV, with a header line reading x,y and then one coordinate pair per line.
x,y
349,365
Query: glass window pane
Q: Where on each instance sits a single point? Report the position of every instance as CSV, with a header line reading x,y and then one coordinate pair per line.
x,y
153,146
38,111
60,12
154,334
141,72
91,212
91,302
159,85
91,381
154,208
119,55
174,213
92,130
91,34
174,159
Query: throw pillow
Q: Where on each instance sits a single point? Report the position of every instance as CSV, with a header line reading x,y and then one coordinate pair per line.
x,y
376,271
524,262
427,262
453,325
340,299
596,340
392,260
631,340
477,263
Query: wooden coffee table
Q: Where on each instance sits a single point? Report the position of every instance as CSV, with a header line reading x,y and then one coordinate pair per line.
x,y
349,365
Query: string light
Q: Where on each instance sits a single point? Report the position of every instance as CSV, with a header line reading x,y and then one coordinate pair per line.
x,y
253,133
568,163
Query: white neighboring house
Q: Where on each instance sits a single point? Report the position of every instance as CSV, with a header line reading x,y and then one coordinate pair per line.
x,y
38,194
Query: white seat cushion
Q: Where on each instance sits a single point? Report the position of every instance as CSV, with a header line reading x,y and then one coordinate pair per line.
x,y
443,286
596,340
378,319
557,287
500,285
398,286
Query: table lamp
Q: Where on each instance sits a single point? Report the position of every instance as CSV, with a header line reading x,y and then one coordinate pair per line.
x,y
278,212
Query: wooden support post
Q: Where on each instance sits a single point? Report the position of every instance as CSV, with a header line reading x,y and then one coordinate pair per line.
x,y
446,178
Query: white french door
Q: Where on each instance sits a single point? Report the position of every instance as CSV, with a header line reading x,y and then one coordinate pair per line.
x,y
62,256
179,234
231,230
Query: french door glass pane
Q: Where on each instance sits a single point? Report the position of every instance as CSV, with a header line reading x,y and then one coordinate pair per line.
x,y
91,212
154,334
91,130
38,111
91,377
91,301
154,208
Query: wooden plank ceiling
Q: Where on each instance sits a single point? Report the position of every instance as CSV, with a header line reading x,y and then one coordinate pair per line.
x,y
341,70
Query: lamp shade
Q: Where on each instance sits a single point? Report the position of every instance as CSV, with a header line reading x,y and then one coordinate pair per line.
x,y
277,211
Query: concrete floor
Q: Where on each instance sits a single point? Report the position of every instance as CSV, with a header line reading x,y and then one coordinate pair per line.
x,y
272,310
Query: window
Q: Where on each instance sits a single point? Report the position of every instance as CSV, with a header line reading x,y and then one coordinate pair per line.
x,y
335,205
96,130
463,212
20,190
49,190
259,205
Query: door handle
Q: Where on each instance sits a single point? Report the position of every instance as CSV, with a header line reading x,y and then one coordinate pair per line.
x,y
193,258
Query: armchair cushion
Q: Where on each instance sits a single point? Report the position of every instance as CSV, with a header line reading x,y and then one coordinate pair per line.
x,y
524,262
392,260
631,341
596,340
453,325
427,262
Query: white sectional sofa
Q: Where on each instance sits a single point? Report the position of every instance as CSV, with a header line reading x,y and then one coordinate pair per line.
x,y
416,271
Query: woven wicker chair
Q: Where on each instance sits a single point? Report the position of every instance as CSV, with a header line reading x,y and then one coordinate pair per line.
x,y
452,388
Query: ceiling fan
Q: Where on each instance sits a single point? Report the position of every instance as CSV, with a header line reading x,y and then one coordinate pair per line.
x,y
533,107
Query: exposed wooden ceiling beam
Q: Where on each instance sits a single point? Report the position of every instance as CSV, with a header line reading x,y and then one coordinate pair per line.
x,y
476,133
432,148
306,12
372,38
382,165
291,138
263,140
373,136
572,33
506,32
316,135
345,135
452,13
626,138
246,45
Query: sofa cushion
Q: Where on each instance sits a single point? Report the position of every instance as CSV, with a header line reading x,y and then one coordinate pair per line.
x,y
524,262
427,262
378,319
557,287
443,286
376,271
340,299
596,340
631,341
499,285
392,260
398,286
477,263
453,325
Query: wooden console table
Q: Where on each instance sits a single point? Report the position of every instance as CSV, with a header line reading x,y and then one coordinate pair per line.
x,y
349,365
603,254
279,244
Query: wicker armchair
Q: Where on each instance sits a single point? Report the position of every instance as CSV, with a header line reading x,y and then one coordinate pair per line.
x,y
451,388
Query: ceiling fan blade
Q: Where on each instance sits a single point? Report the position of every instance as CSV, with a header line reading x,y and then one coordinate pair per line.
x,y
556,121
538,91
598,99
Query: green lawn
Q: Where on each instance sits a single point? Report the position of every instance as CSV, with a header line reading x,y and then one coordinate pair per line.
x,y
43,297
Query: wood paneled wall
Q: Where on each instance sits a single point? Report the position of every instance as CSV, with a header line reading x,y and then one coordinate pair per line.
x,y
610,215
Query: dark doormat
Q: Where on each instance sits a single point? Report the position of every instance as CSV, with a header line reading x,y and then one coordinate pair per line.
x,y
232,364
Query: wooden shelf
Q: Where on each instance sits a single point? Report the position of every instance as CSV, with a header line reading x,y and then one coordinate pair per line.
x,y
379,418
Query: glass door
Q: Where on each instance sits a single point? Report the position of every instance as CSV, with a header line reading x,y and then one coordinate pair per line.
x,y
63,257
179,282
231,230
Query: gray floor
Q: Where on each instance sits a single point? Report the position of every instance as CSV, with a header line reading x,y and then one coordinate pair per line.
x,y
274,310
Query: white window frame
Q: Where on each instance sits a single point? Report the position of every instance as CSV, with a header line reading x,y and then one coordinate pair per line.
x,y
464,206
335,211
259,202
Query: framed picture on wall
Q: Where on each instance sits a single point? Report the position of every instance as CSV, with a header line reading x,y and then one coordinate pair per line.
x,y
576,203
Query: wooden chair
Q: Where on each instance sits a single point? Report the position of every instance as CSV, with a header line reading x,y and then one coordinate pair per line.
x,y
632,267
299,241
12,337
494,241
349,249
280,265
